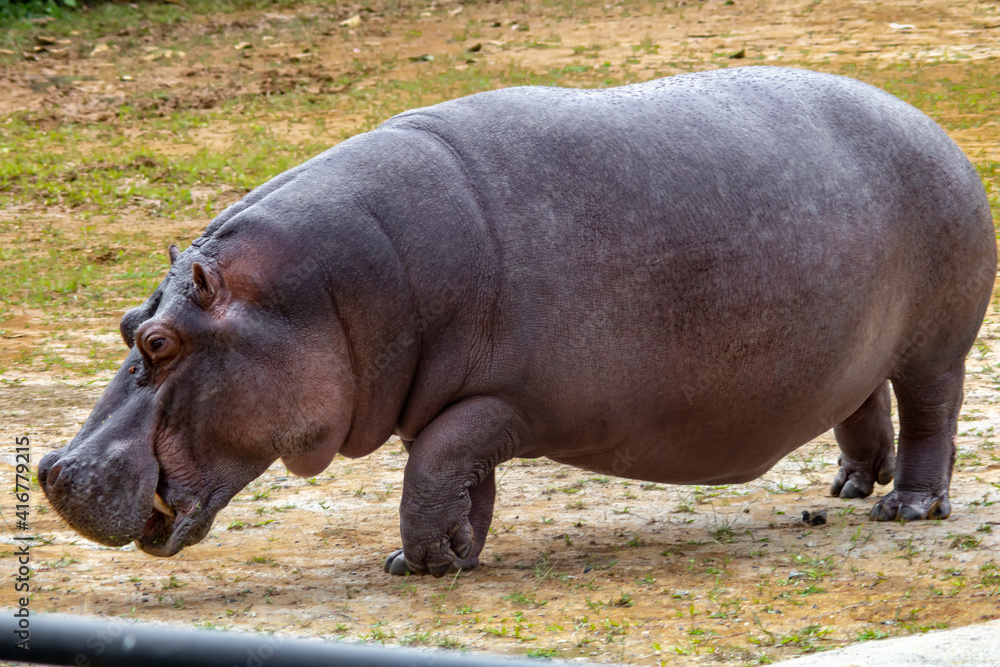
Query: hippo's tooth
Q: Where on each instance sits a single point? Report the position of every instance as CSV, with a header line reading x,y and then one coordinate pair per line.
x,y
161,506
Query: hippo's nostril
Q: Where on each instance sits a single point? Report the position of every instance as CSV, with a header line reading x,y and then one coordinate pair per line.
x,y
43,468
52,476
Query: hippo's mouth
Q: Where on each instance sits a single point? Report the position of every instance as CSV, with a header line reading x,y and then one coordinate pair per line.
x,y
171,526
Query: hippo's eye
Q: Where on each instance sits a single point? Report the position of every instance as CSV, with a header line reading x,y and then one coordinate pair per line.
x,y
157,345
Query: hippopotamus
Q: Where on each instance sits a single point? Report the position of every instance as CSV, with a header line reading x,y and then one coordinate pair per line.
x,y
679,281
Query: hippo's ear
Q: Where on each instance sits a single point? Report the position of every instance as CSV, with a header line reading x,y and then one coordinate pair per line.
x,y
130,324
206,282
174,253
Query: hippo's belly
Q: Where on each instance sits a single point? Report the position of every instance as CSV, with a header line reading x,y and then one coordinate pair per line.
x,y
728,433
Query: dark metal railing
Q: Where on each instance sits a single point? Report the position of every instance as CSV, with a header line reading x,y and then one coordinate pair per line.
x,y
58,639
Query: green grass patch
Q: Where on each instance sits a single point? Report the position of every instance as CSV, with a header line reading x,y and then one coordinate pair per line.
x,y
147,160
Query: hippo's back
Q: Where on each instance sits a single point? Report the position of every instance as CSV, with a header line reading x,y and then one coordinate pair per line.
x,y
693,148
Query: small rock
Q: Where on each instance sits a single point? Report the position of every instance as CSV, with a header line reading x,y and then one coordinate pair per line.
x,y
352,22
51,41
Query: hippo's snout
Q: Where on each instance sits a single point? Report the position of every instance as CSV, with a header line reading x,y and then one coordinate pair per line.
x,y
108,498
49,471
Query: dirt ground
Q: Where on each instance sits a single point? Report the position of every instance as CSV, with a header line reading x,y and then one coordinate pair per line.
x,y
577,566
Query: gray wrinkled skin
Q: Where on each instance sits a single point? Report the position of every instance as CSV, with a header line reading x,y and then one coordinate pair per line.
x,y
680,281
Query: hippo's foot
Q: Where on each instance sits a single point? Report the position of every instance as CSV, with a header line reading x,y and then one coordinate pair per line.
x,y
396,564
867,449
912,506
856,479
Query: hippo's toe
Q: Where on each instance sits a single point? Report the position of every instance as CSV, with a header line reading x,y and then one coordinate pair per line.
x,y
466,564
396,564
881,513
439,569
852,489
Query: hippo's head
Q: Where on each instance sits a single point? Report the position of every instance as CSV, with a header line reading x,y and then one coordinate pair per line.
x,y
234,362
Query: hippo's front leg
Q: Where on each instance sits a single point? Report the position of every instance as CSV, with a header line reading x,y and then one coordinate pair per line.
x,y
448,486
480,517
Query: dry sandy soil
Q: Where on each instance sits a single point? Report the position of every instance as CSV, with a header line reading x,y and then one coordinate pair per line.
x,y
577,566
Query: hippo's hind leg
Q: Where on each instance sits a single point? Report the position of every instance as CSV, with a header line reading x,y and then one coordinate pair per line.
x,y
866,446
928,421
